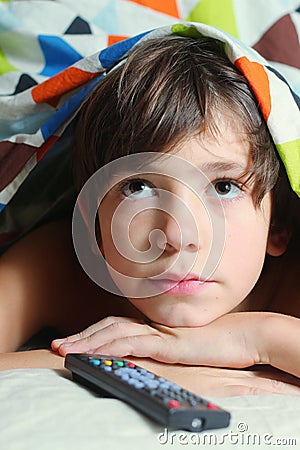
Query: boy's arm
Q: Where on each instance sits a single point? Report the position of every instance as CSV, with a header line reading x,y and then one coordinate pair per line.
x,y
234,340
205,381
31,280
30,359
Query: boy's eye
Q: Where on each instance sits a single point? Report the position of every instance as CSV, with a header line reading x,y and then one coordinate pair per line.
x,y
137,189
226,189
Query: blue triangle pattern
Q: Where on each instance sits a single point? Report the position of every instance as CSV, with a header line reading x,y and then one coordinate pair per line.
x,y
110,55
58,54
8,20
107,18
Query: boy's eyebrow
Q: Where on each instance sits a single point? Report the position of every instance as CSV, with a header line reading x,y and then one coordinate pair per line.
x,y
222,166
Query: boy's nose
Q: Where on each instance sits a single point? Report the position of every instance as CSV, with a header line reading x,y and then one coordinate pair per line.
x,y
177,238
181,223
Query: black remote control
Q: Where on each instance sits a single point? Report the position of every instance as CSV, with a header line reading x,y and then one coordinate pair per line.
x,y
162,400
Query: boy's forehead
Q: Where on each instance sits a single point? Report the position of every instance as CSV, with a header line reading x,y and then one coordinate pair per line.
x,y
208,154
227,150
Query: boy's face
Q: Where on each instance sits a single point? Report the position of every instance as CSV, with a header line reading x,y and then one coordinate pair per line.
x,y
174,274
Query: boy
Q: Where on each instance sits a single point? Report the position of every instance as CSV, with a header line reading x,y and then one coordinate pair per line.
x,y
217,127
188,100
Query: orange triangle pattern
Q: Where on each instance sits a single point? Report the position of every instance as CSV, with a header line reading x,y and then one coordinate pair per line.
x,y
113,39
170,7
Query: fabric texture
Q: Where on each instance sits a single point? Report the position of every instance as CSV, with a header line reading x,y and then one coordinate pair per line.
x,y
50,60
41,409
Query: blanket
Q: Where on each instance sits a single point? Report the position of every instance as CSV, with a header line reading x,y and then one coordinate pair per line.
x,y
51,57
42,409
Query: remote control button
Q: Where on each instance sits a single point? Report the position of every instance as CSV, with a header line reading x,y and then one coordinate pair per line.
x,y
119,363
211,405
107,368
95,362
136,383
197,423
151,384
185,394
108,362
150,376
174,404
125,377
126,369
135,374
165,385
130,364
176,388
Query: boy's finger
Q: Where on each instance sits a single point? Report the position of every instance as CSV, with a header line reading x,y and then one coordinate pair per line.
x,y
146,345
112,333
102,324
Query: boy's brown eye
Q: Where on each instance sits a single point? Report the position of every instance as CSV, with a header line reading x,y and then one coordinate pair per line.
x,y
137,189
136,186
223,187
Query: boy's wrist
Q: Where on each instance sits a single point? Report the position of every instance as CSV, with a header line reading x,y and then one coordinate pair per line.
x,y
272,337
264,336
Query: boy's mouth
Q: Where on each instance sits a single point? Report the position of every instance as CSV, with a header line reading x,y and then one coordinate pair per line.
x,y
174,284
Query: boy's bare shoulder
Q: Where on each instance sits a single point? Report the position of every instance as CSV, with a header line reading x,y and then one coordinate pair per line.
x,y
41,274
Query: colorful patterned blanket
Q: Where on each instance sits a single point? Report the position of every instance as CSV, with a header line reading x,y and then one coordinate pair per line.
x,y
50,58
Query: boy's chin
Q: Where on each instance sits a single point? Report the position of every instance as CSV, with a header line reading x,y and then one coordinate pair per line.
x,y
175,316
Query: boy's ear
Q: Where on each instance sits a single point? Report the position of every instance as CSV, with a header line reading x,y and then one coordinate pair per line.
x,y
278,240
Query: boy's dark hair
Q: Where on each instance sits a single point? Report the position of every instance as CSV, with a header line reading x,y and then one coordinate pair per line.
x,y
170,89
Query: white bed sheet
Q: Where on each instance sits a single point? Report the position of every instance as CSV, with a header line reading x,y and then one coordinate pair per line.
x,y
41,409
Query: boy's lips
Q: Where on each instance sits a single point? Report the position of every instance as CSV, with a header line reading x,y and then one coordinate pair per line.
x,y
174,284
178,277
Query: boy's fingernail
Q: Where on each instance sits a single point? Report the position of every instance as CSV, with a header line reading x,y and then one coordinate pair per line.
x,y
58,342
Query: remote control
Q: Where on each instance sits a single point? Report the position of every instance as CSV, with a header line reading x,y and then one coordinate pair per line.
x,y
160,399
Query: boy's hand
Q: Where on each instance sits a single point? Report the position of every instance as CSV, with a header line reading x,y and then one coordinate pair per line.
x,y
234,340
229,341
